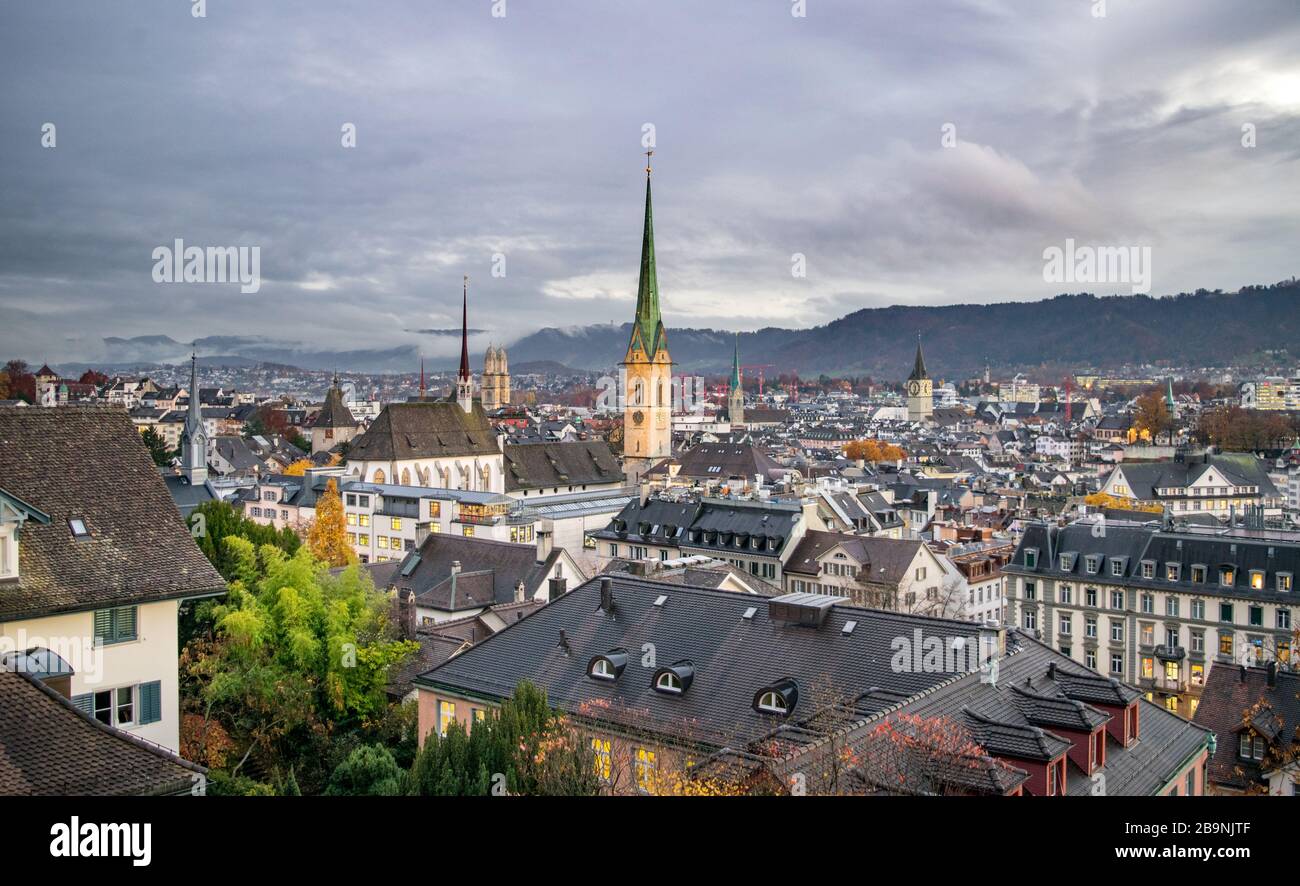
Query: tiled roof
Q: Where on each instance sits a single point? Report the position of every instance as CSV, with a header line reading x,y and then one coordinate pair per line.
x,y
554,465
1229,693
490,571
888,558
49,748
734,656
88,463
425,429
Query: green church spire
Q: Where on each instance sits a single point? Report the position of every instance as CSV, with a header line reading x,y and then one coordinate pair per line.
x,y
735,366
648,329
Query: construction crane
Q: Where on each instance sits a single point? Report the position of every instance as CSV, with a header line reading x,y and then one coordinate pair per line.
x,y
760,367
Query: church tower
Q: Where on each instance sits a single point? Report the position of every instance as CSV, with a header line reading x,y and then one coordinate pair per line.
x,y
736,391
496,379
194,442
464,381
920,390
647,408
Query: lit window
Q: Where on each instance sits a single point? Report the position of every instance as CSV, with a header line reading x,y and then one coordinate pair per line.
x,y
446,713
396,524
601,748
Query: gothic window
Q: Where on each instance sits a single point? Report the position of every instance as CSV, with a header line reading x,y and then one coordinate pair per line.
x,y
638,393
406,476
379,476
486,478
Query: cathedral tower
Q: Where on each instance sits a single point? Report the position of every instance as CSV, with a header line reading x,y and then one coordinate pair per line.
x,y
647,409
920,390
496,379
736,391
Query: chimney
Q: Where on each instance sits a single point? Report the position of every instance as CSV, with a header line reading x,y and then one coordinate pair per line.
x,y
1242,674
992,642
455,571
644,491
519,592
545,540
1272,673
607,596
557,587
406,613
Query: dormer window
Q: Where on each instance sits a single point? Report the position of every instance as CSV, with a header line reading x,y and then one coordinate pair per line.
x,y
609,666
1198,573
1173,571
1117,566
1227,576
674,679
1284,580
779,699
1091,564
8,551
1031,558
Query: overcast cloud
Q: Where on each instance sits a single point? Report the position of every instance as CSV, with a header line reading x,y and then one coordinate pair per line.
x,y
522,135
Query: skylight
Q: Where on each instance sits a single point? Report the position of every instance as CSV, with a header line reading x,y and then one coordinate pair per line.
x,y
78,527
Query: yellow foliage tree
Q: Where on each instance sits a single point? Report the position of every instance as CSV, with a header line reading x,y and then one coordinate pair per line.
x,y
1105,500
873,451
328,536
298,468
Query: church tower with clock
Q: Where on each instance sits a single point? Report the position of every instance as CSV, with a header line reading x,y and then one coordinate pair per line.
x,y
647,407
920,390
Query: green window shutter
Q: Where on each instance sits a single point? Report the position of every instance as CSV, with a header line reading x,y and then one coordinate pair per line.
x,y
85,703
125,627
103,625
151,702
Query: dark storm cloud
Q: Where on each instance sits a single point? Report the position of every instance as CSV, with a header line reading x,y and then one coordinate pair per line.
x,y
521,136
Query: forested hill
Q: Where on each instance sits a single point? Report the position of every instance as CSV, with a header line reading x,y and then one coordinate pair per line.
x,y
1190,329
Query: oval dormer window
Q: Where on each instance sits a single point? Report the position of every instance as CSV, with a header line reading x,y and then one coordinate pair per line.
x,y
607,667
778,699
674,679
669,682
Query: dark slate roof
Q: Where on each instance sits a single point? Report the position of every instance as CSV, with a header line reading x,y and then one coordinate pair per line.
x,y
718,461
1240,468
425,429
89,463
185,494
334,413
49,748
1130,544
1229,693
553,465
1020,740
490,571
733,656
888,558
1166,741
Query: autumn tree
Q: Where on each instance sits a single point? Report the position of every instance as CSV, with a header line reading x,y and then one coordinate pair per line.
x,y
328,536
1151,414
298,468
1106,500
873,451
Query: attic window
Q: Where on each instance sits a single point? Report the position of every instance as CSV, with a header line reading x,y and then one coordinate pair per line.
x,y
778,699
749,613
78,527
849,627
1031,558
609,666
674,679
661,600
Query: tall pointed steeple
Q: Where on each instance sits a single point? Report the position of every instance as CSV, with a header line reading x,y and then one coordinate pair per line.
x,y
735,365
918,371
194,442
736,393
464,381
648,332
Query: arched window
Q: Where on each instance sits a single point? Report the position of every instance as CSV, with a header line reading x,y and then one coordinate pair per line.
x,y
638,393
602,669
379,476
668,682
772,702
486,476
406,476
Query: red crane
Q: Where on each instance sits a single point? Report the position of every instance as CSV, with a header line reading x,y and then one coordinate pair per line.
x,y
760,367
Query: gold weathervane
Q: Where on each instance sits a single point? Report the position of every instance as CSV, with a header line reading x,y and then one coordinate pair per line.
x,y
648,155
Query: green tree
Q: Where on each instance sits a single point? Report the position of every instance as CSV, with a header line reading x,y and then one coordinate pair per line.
x,y
157,447
369,771
295,654
213,521
524,748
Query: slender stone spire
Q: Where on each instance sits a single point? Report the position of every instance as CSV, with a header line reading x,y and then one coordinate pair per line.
x,y
464,382
464,330
648,329
735,365
194,443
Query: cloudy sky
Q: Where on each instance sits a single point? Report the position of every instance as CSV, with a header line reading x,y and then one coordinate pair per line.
x,y
522,135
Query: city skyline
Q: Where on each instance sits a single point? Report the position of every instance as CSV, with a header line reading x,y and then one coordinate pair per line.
x,y
906,160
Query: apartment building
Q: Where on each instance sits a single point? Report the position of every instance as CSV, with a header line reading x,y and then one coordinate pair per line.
x,y
1220,485
1154,607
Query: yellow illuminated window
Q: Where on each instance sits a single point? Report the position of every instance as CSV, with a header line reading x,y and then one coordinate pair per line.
x,y
601,748
645,770
396,523
435,509
446,713
363,538
363,519
1148,669
352,519
381,541
467,529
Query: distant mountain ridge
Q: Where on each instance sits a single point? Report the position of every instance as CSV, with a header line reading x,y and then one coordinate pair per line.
x,y
1198,329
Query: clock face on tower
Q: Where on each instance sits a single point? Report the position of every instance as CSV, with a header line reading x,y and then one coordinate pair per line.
x,y
638,417
914,388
